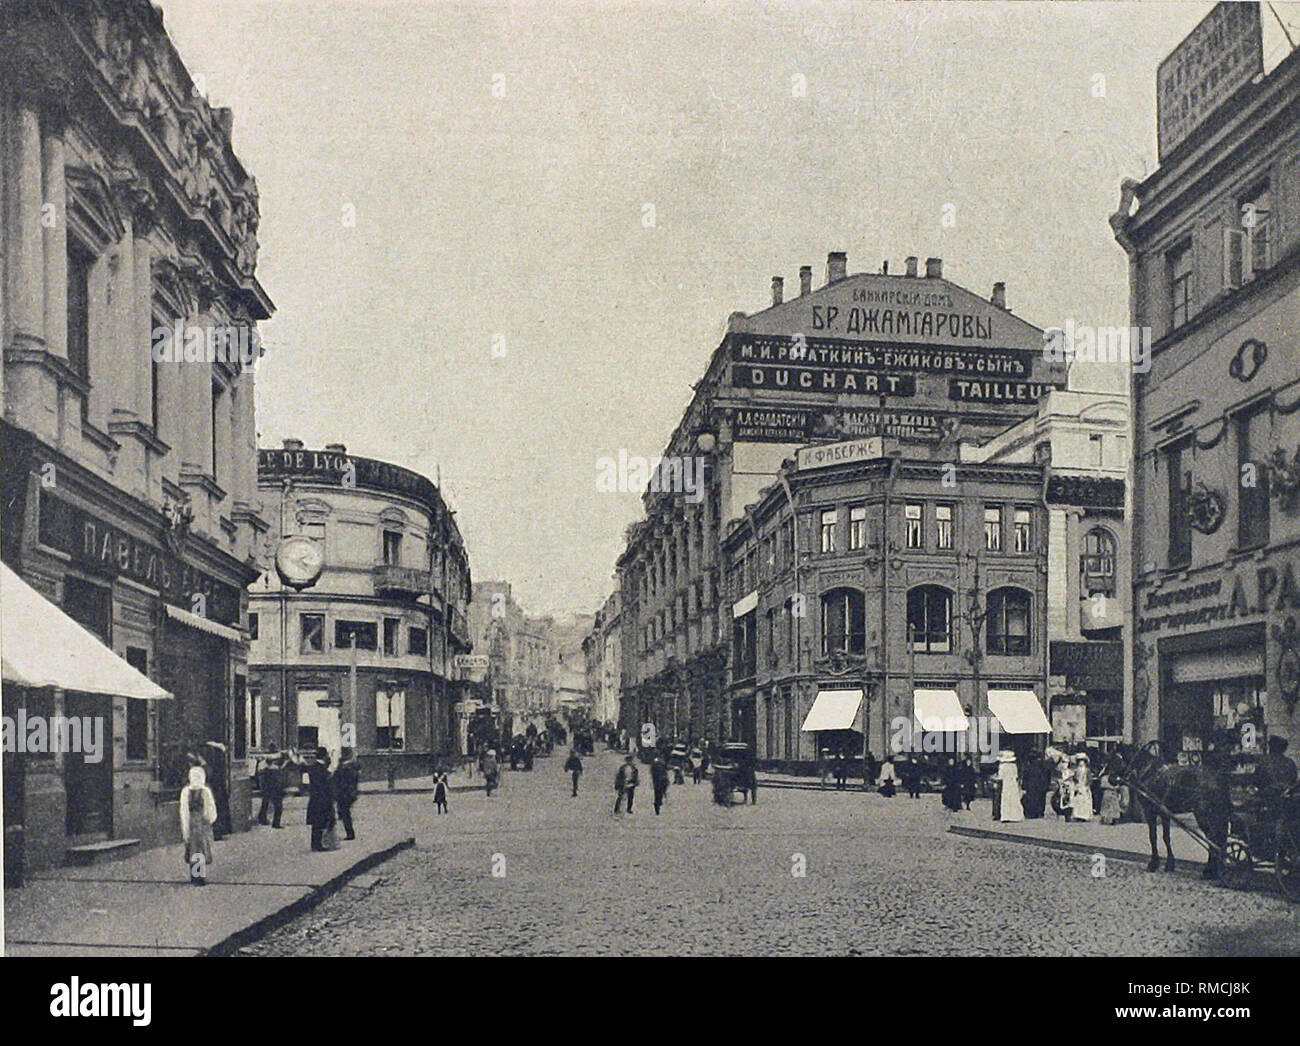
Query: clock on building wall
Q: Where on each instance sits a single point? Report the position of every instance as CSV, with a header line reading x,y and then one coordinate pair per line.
x,y
299,561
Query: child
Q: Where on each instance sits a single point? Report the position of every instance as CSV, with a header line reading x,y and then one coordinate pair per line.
x,y
440,790
198,811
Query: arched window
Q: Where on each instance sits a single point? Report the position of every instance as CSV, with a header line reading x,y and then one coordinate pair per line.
x,y
929,619
1008,621
844,622
1097,563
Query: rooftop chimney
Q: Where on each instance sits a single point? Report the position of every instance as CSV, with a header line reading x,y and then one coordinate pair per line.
x,y
778,289
933,268
293,444
837,266
336,448
999,295
805,279
911,265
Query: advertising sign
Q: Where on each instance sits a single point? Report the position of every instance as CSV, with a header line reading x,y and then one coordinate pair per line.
x,y
821,379
805,424
826,454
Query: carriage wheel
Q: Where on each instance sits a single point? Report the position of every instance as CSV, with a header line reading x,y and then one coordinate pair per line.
x,y
1287,865
1237,865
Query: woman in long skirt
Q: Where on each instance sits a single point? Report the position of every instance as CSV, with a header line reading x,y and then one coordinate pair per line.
x,y
1008,775
198,811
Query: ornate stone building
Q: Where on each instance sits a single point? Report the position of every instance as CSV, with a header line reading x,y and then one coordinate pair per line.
x,y
129,467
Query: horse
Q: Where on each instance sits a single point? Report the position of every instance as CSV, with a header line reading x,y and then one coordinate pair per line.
x,y
1198,790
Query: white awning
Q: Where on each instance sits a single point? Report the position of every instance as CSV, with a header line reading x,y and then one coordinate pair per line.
x,y
833,710
745,604
203,624
938,711
40,645
1019,712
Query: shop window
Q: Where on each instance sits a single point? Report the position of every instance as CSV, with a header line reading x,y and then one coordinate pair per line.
x,y
311,629
929,619
1097,563
137,711
390,719
943,526
1178,469
1022,530
912,513
417,641
1008,621
993,528
829,519
1252,427
362,635
844,622
309,718
392,634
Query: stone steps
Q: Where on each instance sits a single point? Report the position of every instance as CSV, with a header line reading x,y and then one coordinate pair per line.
x,y
98,852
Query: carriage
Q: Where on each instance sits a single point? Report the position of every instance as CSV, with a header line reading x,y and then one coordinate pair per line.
x,y
733,771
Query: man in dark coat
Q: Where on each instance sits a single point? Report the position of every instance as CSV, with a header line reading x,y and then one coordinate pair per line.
x,y
625,781
1037,776
272,779
573,765
659,779
320,798
347,780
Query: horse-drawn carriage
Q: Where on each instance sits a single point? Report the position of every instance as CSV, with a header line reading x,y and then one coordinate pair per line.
x,y
1242,827
733,771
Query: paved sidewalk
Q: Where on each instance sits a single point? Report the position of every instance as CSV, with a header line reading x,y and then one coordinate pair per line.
x,y
145,905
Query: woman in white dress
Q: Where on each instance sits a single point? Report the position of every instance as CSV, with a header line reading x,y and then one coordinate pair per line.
x,y
1009,777
1081,792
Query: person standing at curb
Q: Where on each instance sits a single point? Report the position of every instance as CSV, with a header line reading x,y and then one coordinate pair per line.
x,y
320,799
273,788
440,789
659,781
625,783
198,812
347,780
573,765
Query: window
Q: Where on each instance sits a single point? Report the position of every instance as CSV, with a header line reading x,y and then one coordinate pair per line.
x,y
417,641
217,392
857,527
829,518
252,626
1178,467
80,262
844,622
993,528
311,629
137,710
1178,263
1097,563
253,716
1008,621
390,719
392,548
1246,249
1252,427
1094,451
1022,529
392,634
943,526
363,635
309,717
929,619
912,515
744,639
771,637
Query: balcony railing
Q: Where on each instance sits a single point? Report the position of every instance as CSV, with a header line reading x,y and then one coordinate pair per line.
x,y
401,581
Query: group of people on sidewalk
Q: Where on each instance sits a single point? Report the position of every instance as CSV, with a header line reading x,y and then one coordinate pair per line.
x,y
330,798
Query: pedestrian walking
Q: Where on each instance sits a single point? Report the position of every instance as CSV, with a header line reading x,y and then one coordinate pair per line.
x,y
440,789
1081,792
487,765
625,781
320,799
952,787
1009,807
659,781
573,766
273,783
912,777
888,783
967,779
347,781
198,812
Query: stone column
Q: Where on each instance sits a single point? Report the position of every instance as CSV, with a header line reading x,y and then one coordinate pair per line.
x,y
26,262
55,236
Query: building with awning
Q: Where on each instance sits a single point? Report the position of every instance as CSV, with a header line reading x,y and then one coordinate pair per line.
x,y
1018,711
833,710
938,711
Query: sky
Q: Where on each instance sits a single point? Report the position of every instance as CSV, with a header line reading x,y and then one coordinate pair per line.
x,y
503,239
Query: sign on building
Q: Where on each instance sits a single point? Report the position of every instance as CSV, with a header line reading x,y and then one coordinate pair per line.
x,y
825,454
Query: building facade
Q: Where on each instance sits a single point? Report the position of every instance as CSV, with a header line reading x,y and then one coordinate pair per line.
x,y
363,657
522,656
129,471
910,356
917,585
604,667
1214,254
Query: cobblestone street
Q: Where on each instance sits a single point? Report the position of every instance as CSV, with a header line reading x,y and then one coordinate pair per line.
x,y
882,876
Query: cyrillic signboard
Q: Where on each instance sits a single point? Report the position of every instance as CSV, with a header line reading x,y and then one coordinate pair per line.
x,y
839,453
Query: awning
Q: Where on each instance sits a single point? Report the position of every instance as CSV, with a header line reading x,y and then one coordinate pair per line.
x,y
40,645
938,711
1019,712
1213,666
833,710
203,624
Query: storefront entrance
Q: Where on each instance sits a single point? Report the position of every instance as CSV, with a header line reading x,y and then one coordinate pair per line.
x,y
88,776
1212,698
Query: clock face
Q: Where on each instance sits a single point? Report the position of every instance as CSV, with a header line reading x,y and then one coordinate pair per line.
x,y
299,561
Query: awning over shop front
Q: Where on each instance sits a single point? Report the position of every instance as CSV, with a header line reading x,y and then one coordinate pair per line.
x,y
938,711
40,645
833,710
1019,712
203,624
